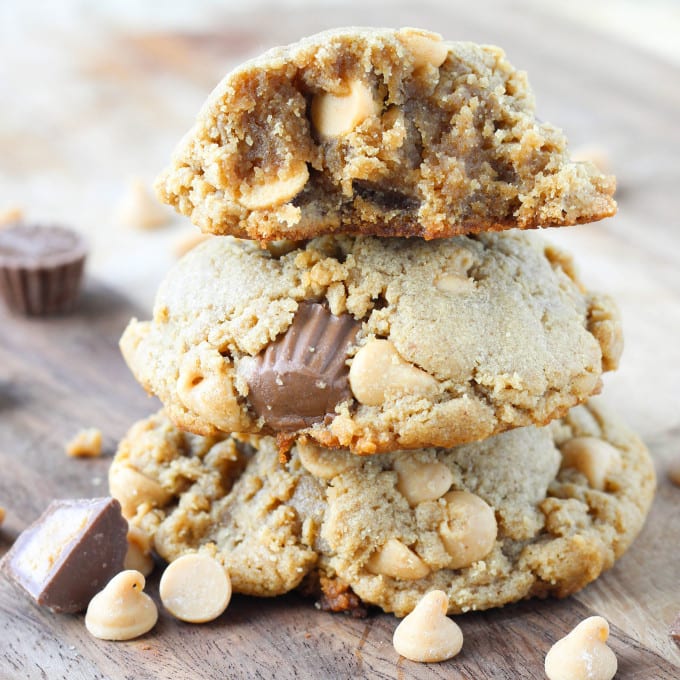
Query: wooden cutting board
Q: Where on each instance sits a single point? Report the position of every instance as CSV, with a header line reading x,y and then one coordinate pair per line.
x,y
59,375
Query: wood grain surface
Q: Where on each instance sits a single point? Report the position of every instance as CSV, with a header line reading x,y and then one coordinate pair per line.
x,y
58,375
66,373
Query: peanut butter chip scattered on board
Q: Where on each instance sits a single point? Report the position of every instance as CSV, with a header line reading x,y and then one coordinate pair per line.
x,y
122,611
195,588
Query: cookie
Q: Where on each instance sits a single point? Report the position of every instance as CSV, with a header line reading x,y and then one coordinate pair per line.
x,y
530,512
378,132
374,344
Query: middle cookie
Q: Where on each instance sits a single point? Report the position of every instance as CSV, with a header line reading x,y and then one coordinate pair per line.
x,y
374,344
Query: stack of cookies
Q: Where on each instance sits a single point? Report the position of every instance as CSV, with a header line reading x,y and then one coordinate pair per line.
x,y
385,391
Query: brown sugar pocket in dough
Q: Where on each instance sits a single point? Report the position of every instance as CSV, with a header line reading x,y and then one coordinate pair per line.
x,y
380,132
447,341
277,527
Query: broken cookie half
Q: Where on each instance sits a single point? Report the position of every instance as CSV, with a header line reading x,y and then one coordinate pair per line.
x,y
380,132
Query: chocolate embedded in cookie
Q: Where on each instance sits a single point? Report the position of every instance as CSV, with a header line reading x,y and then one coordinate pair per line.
x,y
460,338
303,374
70,552
41,268
378,132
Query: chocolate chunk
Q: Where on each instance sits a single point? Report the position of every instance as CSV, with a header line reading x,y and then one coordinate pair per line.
x,y
70,552
674,632
41,268
385,197
302,375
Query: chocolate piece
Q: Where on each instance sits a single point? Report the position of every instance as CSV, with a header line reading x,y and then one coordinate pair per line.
x,y
40,268
70,552
674,632
302,375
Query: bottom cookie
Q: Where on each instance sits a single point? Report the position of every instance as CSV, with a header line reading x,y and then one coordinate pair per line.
x,y
530,512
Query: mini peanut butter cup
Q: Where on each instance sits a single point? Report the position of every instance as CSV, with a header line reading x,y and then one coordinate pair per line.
x,y
300,377
41,268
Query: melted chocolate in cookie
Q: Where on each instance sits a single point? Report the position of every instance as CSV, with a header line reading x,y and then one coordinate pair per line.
x,y
302,375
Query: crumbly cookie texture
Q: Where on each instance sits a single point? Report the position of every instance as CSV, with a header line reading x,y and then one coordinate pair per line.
x,y
186,492
380,132
273,525
458,338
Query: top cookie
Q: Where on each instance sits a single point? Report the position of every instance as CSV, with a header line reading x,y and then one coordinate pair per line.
x,y
379,132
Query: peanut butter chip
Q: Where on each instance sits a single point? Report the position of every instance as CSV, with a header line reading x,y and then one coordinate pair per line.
x,y
427,634
2,514
188,241
140,209
132,489
583,654
452,284
325,463
379,374
398,561
592,457
333,116
205,386
427,49
470,532
10,214
121,611
276,190
195,588
420,482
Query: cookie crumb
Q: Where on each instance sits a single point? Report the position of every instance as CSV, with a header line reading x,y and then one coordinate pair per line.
x,y
139,209
86,444
337,596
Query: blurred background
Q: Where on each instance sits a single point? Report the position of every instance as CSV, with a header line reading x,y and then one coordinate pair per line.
x,y
95,95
